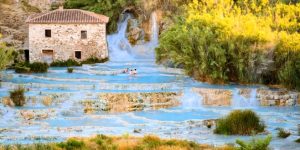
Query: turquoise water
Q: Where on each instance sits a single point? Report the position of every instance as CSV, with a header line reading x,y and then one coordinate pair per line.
x,y
67,119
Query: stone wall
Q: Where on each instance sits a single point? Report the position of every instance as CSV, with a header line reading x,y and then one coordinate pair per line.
x,y
66,39
277,98
127,102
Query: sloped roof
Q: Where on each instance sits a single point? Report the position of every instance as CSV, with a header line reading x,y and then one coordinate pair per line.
x,y
67,16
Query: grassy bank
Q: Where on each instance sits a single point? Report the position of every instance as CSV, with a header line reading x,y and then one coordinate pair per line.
x,y
102,142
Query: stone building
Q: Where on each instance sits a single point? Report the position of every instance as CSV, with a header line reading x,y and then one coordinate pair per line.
x,y
66,34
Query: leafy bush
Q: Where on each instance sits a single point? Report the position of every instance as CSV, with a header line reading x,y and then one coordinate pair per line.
x,y
236,41
283,134
255,144
6,55
71,62
298,140
71,144
22,69
39,67
94,60
17,96
36,67
67,63
239,122
70,70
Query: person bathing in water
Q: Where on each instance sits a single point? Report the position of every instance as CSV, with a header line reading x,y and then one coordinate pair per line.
x,y
133,72
125,70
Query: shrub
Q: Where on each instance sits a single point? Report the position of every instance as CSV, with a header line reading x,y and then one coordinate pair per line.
x,y
6,55
241,41
17,96
71,62
39,67
239,122
94,60
283,134
22,69
255,144
152,142
298,140
104,142
70,70
71,144
36,67
67,63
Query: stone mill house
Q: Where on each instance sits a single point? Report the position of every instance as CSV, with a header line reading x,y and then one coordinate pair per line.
x,y
65,34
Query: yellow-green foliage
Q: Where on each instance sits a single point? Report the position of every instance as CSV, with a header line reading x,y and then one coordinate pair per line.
x,y
254,144
5,55
236,40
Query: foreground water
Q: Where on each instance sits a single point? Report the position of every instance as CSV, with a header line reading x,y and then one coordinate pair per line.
x,y
66,117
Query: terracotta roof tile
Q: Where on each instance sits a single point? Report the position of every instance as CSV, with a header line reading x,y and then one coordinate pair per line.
x,y
67,16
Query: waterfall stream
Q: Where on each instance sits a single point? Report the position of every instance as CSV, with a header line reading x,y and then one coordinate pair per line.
x,y
122,50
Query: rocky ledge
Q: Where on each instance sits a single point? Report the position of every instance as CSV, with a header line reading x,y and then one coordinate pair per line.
x,y
126,102
280,97
214,97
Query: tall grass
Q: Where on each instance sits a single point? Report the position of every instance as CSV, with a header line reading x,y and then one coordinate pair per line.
x,y
283,134
255,144
240,122
17,96
102,142
71,144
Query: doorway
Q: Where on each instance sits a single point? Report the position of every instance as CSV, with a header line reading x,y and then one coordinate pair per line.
x,y
26,55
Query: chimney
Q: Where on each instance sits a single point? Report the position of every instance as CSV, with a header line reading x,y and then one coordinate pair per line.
x,y
61,8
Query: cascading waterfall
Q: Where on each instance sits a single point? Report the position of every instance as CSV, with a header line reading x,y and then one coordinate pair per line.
x,y
191,99
121,49
118,44
241,101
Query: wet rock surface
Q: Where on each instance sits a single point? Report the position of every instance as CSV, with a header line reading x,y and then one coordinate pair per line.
x,y
277,97
135,34
215,97
126,102
36,114
245,92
